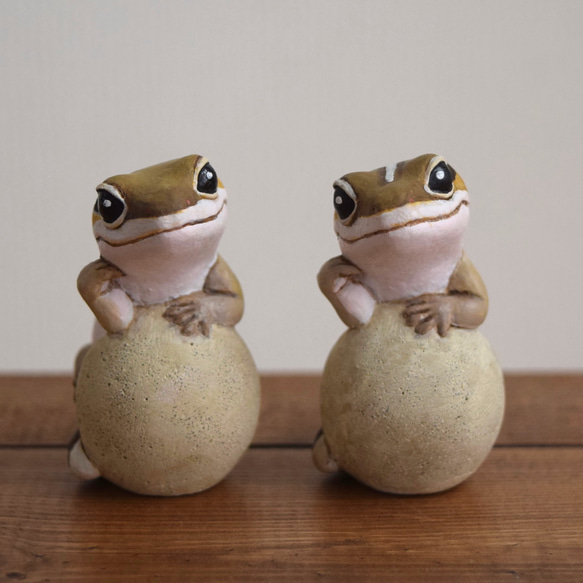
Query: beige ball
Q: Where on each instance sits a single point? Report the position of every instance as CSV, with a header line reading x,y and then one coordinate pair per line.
x,y
410,414
164,414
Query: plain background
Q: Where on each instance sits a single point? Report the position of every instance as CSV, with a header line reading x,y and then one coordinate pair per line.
x,y
284,97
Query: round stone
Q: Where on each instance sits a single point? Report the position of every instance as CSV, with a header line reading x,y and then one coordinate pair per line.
x,y
408,413
165,414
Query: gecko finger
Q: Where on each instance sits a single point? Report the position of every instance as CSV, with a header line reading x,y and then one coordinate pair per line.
x,y
175,316
414,319
185,318
191,328
418,309
176,309
205,328
182,319
443,325
423,299
425,326
415,301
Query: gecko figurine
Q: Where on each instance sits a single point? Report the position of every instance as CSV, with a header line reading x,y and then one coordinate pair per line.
x,y
167,396
412,397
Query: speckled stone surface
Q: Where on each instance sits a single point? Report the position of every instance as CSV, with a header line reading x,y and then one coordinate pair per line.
x,y
410,414
165,414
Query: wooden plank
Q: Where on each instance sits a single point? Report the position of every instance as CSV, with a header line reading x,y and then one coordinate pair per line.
x,y
36,410
276,518
290,409
541,409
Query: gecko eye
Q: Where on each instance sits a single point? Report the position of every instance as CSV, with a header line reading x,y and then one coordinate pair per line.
x,y
344,204
441,179
207,180
111,206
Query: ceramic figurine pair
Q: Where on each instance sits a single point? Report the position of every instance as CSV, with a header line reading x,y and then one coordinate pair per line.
x,y
167,395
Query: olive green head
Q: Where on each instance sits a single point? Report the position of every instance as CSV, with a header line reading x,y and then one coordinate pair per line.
x,y
157,191
423,179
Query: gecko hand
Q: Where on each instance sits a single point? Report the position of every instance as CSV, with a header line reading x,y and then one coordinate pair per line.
x,y
429,311
190,315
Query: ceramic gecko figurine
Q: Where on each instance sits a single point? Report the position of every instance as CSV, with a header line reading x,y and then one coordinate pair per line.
x,y
167,396
412,397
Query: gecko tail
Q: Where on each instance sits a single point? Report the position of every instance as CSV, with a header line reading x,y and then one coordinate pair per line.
x,y
322,456
79,463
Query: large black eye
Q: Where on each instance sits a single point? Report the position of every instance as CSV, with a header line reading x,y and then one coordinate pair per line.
x,y
441,179
111,208
207,180
343,203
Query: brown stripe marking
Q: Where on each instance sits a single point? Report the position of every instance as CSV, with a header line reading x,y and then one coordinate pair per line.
x,y
148,235
408,224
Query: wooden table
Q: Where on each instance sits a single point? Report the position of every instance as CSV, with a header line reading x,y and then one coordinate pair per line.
x,y
520,517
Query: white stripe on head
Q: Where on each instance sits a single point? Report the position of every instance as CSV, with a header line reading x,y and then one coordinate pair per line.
x,y
390,172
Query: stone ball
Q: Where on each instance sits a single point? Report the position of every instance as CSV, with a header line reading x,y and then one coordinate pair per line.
x,y
406,413
165,414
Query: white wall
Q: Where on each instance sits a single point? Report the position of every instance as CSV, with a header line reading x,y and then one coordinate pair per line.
x,y
284,97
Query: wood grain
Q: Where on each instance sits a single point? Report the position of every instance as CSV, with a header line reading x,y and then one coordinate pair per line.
x,y
543,409
540,410
36,410
276,518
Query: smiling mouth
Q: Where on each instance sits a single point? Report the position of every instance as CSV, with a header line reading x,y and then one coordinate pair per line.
x,y
407,224
160,231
